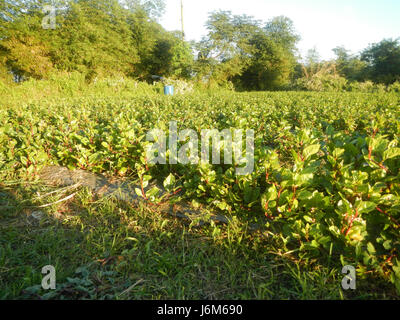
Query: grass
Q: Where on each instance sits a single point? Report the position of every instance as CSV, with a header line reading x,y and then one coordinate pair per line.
x,y
106,249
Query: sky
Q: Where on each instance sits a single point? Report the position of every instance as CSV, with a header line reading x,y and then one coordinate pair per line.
x,y
322,24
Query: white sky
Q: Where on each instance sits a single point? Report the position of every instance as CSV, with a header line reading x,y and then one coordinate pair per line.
x,y
320,23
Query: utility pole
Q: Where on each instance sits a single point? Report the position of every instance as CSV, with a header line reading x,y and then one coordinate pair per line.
x,y
183,32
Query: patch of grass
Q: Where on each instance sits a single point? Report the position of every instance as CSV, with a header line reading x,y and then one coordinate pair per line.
x,y
106,249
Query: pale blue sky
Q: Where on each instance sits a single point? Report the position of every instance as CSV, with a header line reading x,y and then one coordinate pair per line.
x,y
320,23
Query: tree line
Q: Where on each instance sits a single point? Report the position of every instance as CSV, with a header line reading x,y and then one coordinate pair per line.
x,y
106,38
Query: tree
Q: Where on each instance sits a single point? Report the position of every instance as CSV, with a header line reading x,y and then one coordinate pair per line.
x,y
8,11
349,66
153,8
312,57
218,52
27,57
160,52
226,39
94,38
238,49
23,50
383,61
263,68
172,57
271,56
281,30
145,33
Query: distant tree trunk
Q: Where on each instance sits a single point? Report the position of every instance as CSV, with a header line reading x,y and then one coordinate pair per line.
x,y
183,30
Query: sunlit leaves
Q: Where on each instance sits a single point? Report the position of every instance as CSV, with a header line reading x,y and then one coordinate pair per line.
x,y
311,150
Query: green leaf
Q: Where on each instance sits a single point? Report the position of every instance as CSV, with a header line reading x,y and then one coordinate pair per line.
x,y
304,195
387,244
123,170
365,206
24,160
146,177
371,248
152,192
169,182
308,219
145,183
338,152
272,194
391,153
311,150
139,192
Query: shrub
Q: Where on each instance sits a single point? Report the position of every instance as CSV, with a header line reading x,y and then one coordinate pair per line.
x,y
324,79
322,82
395,87
3,87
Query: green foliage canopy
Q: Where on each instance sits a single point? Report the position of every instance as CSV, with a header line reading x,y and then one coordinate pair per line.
x,y
383,60
239,49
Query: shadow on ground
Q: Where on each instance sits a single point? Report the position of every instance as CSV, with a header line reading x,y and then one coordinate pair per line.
x,y
109,248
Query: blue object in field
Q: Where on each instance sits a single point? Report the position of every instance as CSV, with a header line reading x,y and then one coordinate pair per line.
x,y
169,90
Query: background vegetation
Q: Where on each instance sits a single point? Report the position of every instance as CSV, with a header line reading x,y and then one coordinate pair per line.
x,y
103,38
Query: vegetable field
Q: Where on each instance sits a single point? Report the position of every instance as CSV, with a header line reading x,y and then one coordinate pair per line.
x,y
325,189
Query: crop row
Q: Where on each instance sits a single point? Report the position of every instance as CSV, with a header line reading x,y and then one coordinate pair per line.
x,y
326,175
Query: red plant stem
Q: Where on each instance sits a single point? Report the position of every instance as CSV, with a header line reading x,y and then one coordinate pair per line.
x,y
279,192
351,222
390,217
345,218
179,190
389,259
141,186
266,211
381,166
166,200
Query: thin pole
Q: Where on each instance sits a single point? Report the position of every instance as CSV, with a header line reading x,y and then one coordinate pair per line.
x,y
183,32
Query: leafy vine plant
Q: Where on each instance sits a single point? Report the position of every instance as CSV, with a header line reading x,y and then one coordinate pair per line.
x,y
333,188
